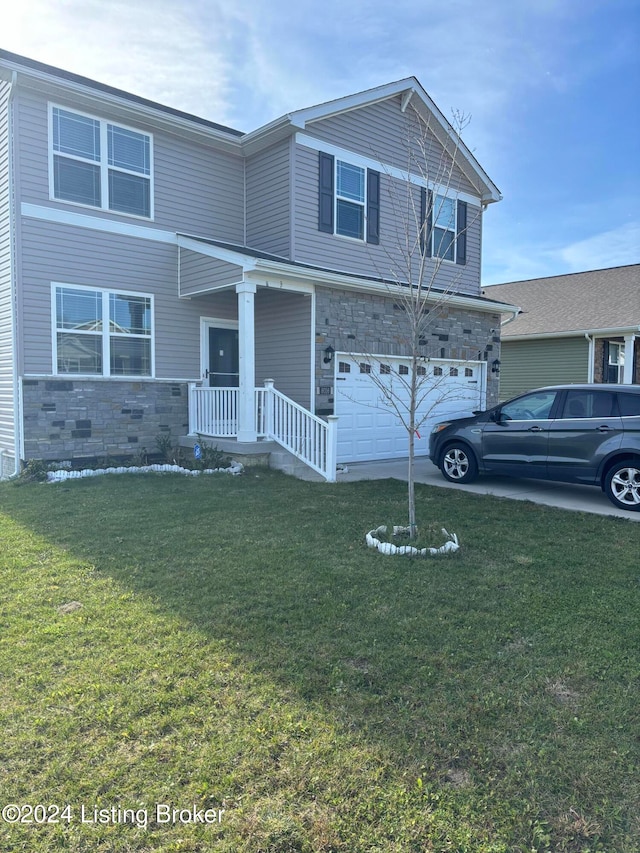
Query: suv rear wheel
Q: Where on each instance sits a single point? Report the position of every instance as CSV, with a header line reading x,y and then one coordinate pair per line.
x,y
622,484
458,464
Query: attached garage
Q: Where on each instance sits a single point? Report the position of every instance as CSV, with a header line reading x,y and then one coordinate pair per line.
x,y
368,426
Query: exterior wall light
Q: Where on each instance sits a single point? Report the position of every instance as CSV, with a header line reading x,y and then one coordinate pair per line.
x,y
328,354
495,366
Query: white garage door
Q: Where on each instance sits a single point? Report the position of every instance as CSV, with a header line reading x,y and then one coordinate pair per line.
x,y
369,428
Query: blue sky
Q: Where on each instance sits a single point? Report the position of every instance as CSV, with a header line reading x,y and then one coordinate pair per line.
x,y
552,88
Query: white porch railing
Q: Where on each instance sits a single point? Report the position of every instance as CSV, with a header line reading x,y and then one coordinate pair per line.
x,y
214,412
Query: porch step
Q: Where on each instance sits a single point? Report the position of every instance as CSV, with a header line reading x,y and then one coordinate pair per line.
x,y
268,453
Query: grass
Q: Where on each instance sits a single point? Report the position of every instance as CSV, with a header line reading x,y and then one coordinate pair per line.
x,y
230,643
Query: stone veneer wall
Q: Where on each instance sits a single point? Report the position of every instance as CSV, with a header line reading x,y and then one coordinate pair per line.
x,y
377,325
68,419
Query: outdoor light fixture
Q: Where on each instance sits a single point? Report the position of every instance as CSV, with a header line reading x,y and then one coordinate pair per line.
x,y
495,366
328,354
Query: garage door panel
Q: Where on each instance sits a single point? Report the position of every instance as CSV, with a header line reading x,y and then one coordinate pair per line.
x,y
368,428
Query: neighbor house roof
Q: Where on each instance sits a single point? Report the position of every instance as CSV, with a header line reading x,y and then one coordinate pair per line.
x,y
605,300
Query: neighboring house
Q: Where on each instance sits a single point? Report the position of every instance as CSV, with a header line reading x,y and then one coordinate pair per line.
x,y
157,268
580,327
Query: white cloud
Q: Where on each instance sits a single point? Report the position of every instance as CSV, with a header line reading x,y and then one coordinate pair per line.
x,y
609,249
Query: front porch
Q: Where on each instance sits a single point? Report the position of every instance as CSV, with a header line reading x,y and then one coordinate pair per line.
x,y
244,420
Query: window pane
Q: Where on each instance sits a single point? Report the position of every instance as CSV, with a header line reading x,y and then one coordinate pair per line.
x,y
444,213
629,405
350,183
129,194
129,150
443,244
350,220
79,353
130,314
530,408
130,356
79,309
75,134
76,181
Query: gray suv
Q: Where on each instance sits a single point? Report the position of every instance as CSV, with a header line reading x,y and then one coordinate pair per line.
x,y
570,433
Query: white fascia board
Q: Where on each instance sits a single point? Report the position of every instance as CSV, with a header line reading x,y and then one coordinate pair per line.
x,y
619,331
392,171
493,194
352,102
34,78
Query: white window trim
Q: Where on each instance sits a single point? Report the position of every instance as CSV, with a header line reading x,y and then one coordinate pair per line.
x,y
103,164
106,334
362,204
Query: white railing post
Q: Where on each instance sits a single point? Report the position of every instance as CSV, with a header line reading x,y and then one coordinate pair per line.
x,y
192,408
332,448
268,407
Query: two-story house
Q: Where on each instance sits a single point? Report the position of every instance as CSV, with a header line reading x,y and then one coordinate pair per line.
x,y
157,268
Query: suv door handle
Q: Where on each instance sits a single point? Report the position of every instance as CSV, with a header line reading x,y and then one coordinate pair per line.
x,y
535,429
604,428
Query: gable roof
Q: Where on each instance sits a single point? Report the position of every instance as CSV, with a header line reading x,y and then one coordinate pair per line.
x,y
409,88
606,300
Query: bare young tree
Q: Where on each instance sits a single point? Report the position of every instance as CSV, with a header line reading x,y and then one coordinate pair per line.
x,y
432,226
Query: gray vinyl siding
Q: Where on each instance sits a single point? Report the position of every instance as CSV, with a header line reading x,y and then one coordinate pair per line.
x,y
283,343
199,272
7,400
532,364
268,192
388,136
69,255
386,260
197,190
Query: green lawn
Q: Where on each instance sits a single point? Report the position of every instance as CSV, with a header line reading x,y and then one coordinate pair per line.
x,y
239,648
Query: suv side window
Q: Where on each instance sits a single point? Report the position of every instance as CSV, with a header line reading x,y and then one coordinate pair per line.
x,y
629,405
531,407
589,404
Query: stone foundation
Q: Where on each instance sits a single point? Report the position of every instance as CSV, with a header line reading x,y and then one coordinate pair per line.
x,y
66,419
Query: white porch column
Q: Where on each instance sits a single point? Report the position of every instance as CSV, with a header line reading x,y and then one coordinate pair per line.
x,y
247,362
629,358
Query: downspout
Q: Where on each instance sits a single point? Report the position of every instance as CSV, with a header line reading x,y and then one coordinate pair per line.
x,y
592,350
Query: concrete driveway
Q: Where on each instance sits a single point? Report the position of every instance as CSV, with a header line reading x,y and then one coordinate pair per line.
x,y
563,495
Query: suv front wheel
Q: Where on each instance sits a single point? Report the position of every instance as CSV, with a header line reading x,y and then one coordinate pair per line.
x,y
622,484
458,464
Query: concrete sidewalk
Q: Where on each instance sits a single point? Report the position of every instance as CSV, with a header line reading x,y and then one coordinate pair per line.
x,y
563,495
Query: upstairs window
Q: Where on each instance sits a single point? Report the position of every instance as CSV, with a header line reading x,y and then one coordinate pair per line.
x,y
102,333
444,234
444,228
100,164
348,199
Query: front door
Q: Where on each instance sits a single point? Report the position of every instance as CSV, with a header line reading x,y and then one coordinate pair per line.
x,y
223,369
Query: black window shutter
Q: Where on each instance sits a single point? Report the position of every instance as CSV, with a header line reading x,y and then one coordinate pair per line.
x,y
325,193
461,236
373,206
426,221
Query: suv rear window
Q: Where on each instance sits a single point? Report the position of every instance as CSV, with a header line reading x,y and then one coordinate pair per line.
x,y
629,404
588,404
